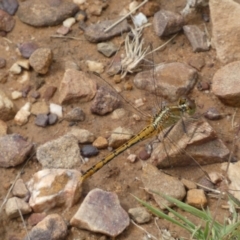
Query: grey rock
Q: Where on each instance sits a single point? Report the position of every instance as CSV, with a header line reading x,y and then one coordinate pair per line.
x,y
139,215
9,6
75,115
89,151
41,120
45,13
156,180
20,189
221,13
107,48
105,101
171,80
83,135
227,76
197,38
213,114
166,23
194,144
7,22
41,59
14,149
14,205
27,48
60,153
95,32
52,118
101,207
52,227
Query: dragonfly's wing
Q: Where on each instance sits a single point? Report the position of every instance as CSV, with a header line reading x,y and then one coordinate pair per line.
x,y
198,144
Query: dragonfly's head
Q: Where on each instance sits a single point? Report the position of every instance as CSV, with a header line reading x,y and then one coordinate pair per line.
x,y
187,105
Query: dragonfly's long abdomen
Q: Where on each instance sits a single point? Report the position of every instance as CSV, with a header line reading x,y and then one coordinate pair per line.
x,y
165,118
145,133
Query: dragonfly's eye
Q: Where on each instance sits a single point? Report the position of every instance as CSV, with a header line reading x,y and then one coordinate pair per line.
x,y
187,105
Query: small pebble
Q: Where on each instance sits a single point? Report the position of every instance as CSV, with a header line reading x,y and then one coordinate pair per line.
x,y
24,64
22,115
107,48
16,95
118,113
49,92
81,16
95,66
76,114
139,20
132,158
26,90
15,69
35,94
202,86
139,215
24,77
71,65
79,2
27,48
57,109
41,120
117,78
52,118
89,151
128,86
132,6
213,114
63,30
69,22
100,143
2,62
144,155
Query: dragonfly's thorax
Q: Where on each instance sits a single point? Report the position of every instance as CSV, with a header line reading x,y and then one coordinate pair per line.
x,y
167,117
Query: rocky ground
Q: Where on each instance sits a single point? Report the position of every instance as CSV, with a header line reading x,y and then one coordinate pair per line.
x,y
70,94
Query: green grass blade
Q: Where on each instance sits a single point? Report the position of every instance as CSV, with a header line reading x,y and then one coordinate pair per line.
x,y
196,212
160,214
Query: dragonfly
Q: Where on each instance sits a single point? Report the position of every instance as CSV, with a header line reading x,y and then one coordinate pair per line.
x,y
166,117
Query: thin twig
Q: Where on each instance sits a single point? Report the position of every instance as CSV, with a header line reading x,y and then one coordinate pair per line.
x,y
163,45
122,18
66,37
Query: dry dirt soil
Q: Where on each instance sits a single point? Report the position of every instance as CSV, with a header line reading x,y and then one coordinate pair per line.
x,y
120,176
